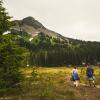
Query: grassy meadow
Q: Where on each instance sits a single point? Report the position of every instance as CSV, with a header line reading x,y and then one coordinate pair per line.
x,y
52,84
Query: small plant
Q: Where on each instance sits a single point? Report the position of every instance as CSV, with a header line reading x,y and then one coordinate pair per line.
x,y
34,74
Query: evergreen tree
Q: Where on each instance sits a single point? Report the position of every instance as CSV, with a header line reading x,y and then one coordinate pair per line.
x,y
11,55
5,22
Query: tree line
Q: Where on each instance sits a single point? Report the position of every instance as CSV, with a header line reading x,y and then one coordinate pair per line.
x,y
53,51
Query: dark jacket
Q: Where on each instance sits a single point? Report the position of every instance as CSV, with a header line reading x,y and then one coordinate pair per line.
x,y
89,72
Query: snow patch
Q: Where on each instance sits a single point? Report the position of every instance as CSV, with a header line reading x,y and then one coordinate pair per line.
x,y
31,39
6,32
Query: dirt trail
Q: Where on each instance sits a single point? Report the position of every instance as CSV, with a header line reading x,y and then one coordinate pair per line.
x,y
85,92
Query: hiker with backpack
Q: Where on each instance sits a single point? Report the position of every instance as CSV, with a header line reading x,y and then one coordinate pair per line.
x,y
90,75
75,77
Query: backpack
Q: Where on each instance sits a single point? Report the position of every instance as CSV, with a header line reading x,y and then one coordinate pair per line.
x,y
89,72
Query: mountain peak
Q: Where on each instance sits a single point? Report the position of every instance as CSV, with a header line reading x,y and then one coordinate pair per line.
x,y
32,22
29,18
32,26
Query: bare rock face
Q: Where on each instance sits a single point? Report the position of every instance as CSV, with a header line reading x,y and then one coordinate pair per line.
x,y
33,27
32,22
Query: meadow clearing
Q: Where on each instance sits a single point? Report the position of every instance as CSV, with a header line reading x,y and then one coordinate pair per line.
x,y
53,84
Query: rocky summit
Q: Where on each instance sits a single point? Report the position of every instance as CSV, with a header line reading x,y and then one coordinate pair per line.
x,y
32,26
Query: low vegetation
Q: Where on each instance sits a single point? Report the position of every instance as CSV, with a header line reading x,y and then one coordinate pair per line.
x,y
52,83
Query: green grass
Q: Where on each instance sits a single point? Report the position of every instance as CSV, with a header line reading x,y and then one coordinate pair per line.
x,y
48,84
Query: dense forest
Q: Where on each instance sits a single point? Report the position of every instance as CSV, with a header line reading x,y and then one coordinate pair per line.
x,y
51,51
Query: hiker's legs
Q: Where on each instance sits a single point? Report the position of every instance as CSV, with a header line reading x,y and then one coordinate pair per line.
x,y
90,83
93,83
75,83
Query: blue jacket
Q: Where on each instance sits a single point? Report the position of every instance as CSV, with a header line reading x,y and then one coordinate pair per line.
x,y
89,72
75,76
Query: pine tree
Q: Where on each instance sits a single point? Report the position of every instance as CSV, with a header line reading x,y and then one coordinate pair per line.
x,y
5,22
11,55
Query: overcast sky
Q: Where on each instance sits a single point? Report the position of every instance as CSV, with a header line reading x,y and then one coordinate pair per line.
x,y
72,18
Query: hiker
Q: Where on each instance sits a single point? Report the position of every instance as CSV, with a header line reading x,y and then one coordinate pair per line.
x,y
90,75
75,77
